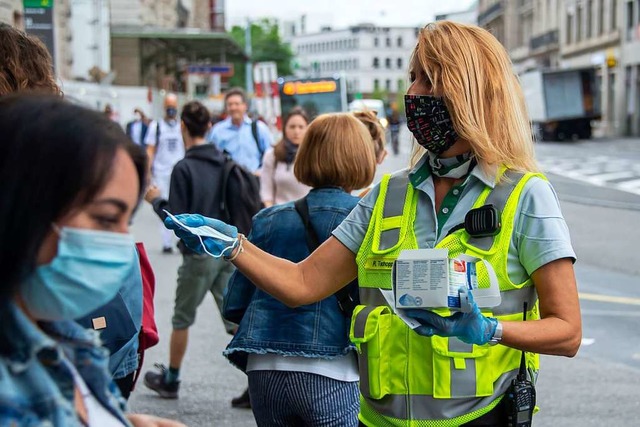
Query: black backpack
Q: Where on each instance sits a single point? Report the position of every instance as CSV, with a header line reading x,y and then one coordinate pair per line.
x,y
346,300
247,188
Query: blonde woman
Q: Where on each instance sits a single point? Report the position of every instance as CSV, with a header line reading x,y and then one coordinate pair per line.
x,y
305,374
465,109
277,181
370,120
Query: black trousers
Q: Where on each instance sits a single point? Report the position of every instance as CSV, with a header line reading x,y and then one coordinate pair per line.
x,y
125,384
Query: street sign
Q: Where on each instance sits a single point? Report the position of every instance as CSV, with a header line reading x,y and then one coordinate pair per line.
x,y
224,70
38,21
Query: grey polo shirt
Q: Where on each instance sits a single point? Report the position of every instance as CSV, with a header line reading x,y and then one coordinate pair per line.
x,y
541,234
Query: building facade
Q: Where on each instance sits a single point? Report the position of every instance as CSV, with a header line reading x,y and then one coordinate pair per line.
x,y
566,34
373,60
11,13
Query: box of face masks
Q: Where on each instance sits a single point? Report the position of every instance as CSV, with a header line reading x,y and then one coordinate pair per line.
x,y
428,278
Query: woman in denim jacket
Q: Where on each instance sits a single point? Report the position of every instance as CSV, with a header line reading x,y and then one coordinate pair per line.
x,y
69,180
301,366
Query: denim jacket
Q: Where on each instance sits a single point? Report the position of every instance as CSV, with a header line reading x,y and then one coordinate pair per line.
x,y
36,386
266,325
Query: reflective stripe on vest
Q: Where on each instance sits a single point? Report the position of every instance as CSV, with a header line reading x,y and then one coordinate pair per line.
x,y
464,381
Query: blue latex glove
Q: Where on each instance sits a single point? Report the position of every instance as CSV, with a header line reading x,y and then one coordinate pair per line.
x,y
204,244
472,327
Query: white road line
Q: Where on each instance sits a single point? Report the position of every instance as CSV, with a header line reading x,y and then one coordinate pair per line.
x,y
609,298
604,177
634,184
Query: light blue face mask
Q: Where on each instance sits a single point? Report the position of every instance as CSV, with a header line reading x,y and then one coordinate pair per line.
x,y
87,273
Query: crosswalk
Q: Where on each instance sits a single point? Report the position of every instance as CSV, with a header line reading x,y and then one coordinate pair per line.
x,y
603,171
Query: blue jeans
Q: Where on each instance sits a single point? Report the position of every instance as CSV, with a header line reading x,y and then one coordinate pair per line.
x,y
284,398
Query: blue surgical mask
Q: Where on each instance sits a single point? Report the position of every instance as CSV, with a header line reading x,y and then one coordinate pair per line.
x,y
87,273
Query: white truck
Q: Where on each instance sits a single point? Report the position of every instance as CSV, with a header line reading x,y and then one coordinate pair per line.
x,y
562,103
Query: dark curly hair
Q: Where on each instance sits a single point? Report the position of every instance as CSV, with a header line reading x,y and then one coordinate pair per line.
x,y
26,63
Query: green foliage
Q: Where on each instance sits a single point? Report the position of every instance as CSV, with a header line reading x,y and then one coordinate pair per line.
x,y
266,45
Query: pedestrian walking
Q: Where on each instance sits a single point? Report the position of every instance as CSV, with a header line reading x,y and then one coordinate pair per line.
x,y
305,374
165,148
194,189
245,140
474,157
137,128
394,130
278,183
62,259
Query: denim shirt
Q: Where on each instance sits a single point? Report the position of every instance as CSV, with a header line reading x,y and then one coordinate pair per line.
x,y
266,325
36,385
239,142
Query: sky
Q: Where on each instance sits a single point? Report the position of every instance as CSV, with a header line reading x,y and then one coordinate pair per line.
x,y
340,14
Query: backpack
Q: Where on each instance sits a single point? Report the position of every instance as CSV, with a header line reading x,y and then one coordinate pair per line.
x,y
115,321
346,302
247,189
254,132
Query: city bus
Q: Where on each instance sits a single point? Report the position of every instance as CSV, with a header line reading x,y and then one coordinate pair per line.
x,y
316,95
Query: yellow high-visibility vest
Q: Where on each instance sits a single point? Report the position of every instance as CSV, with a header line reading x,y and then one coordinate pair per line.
x,y
407,379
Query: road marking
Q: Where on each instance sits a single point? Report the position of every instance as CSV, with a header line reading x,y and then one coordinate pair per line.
x,y
587,341
609,298
609,313
603,177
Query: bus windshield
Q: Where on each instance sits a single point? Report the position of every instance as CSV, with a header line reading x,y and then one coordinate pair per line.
x,y
317,96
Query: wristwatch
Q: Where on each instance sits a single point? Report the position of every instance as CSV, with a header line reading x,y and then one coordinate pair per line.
x,y
497,335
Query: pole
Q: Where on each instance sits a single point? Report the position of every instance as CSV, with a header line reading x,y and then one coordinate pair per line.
x,y
249,66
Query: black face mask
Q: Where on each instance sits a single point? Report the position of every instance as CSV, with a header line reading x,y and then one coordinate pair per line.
x,y
430,123
171,112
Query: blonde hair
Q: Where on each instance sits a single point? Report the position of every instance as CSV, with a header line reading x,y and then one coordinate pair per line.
x,y
370,120
336,151
471,70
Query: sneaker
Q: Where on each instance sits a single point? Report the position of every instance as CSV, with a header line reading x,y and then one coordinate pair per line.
x,y
242,401
167,250
155,381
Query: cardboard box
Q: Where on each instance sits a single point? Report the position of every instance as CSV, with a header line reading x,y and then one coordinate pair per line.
x,y
427,278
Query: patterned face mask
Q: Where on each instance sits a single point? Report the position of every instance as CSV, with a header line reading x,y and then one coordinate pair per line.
x,y
430,123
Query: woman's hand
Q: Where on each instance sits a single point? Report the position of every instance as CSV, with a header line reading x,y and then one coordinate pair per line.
x,y
140,420
204,235
472,327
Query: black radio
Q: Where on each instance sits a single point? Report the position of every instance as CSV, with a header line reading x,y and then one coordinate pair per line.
x,y
520,399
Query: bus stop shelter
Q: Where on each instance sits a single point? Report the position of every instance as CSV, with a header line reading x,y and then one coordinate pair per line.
x,y
159,57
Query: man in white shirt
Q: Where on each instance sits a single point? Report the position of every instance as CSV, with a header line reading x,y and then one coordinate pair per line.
x,y
165,148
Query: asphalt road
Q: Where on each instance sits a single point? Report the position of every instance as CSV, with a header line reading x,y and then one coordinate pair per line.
x,y
601,385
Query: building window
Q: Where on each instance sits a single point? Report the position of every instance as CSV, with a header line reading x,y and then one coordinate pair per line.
x,y
601,17
387,85
376,62
376,42
569,28
579,24
589,33
399,41
388,41
614,15
376,84
387,63
399,62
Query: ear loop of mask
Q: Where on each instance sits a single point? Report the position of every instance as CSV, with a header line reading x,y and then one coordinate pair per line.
x,y
222,253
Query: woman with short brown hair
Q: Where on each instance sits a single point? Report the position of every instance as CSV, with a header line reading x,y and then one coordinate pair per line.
x,y
304,373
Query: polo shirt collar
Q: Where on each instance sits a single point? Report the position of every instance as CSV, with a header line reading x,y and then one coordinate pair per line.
x,y
246,121
422,170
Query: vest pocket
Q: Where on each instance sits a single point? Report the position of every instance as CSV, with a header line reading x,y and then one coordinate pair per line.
x,y
370,332
461,370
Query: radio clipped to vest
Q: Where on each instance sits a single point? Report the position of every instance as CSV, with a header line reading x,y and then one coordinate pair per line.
x,y
521,396
483,221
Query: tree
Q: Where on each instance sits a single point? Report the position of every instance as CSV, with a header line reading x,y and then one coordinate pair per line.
x,y
266,45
